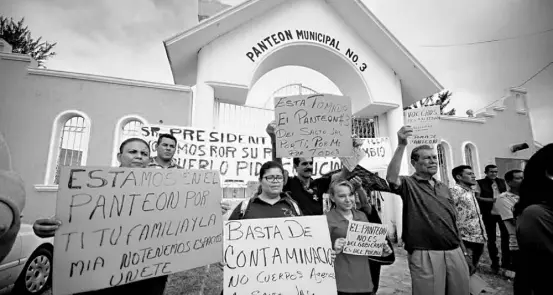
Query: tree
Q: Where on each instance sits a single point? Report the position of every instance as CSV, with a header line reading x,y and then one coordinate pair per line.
x,y
442,99
19,37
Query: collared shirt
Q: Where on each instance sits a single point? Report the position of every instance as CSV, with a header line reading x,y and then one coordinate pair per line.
x,y
428,214
257,208
155,164
469,220
353,274
309,199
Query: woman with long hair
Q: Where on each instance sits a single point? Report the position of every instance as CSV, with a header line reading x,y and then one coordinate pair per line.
x,y
534,220
353,272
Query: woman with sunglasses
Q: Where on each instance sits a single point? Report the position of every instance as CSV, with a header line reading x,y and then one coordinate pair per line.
x,y
353,272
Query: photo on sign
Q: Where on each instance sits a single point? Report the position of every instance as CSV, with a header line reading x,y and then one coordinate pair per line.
x,y
316,125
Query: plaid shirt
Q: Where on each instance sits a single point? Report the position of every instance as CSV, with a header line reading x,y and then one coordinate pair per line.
x,y
155,164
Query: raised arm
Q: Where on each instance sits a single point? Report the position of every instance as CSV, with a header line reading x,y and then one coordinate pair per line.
x,y
392,176
271,132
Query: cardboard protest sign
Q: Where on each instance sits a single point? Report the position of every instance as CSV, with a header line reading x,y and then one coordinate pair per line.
x,y
423,121
238,157
278,256
317,125
373,154
122,225
365,239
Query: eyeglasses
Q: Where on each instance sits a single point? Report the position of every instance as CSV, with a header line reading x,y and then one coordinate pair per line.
x,y
274,178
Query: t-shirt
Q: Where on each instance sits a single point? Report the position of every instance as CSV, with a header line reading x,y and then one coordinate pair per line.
x,y
429,216
504,208
260,209
310,200
353,274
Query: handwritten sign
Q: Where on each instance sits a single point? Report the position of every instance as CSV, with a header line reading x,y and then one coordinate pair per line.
x,y
365,239
378,153
351,162
317,125
278,256
238,157
423,120
122,225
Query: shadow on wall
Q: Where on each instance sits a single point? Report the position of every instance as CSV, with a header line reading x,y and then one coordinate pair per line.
x,y
5,158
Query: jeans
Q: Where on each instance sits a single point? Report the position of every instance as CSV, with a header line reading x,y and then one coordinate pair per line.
x,y
491,222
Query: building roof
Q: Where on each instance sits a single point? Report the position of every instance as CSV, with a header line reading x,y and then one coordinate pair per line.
x,y
416,82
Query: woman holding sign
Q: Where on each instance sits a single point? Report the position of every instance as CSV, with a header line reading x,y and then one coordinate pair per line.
x,y
133,153
351,270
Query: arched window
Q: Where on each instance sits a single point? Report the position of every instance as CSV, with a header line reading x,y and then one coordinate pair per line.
x,y
131,129
69,143
470,156
127,127
442,161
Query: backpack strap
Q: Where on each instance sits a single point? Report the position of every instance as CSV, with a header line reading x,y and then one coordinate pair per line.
x,y
293,203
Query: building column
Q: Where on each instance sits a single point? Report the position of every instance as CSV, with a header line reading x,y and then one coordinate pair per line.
x,y
393,202
203,107
204,98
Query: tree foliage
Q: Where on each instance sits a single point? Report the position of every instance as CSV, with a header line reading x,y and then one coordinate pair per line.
x,y
19,37
442,99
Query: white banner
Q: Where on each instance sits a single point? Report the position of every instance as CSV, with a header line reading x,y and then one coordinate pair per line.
x,y
278,256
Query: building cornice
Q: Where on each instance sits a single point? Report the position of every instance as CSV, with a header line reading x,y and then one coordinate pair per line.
x,y
106,79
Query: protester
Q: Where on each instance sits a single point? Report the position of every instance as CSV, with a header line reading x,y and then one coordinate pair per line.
x,y
12,202
534,221
504,206
469,219
270,201
305,190
437,260
166,147
133,153
490,187
351,270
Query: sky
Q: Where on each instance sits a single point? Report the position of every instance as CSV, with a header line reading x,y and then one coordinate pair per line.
x,y
452,39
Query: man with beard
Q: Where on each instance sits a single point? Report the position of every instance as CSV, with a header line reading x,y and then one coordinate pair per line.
x,y
305,190
166,148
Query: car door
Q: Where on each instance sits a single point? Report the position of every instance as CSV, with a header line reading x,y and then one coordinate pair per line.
x,y
8,268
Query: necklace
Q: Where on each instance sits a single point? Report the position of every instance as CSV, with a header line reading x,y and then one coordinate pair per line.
x,y
309,190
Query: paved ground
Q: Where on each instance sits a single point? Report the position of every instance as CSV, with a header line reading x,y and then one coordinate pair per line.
x,y
394,280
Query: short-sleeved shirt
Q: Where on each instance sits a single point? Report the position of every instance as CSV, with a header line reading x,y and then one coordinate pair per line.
x,y
154,164
257,208
353,274
309,199
504,207
429,218
469,220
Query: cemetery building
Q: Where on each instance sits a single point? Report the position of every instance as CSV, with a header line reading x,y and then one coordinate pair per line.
x,y
51,118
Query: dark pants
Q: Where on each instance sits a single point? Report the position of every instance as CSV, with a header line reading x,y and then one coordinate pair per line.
x,y
476,250
153,286
491,222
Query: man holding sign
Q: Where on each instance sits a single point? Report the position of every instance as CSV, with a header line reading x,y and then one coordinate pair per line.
x,y
437,258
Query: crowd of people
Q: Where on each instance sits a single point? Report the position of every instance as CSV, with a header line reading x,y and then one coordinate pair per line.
x,y
445,228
